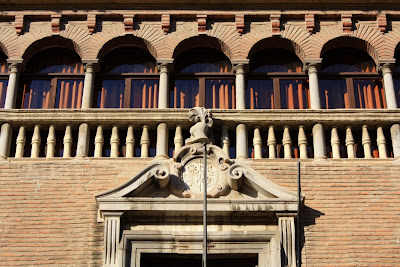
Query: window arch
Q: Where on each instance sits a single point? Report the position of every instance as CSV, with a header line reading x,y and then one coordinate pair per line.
x,y
203,77
3,79
396,78
53,79
349,79
128,78
276,80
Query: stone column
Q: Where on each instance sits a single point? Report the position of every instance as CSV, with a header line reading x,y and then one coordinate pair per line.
x,y
312,69
319,141
83,141
162,141
240,83
164,66
5,140
241,142
88,85
389,85
112,221
12,88
395,135
287,232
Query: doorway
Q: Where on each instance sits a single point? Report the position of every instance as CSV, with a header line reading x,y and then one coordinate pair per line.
x,y
195,260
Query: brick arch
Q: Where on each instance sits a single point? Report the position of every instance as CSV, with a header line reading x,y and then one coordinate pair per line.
x,y
8,41
126,40
392,43
202,41
277,42
353,42
79,35
49,42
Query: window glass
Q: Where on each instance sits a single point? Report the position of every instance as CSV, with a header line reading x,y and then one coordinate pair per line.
x,y
144,94
334,94
294,94
69,94
260,94
369,94
347,60
111,94
3,79
185,94
199,60
219,94
37,94
275,60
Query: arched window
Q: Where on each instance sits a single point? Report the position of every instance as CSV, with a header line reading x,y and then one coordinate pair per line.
x,y
128,78
276,81
53,79
348,79
396,78
203,78
3,79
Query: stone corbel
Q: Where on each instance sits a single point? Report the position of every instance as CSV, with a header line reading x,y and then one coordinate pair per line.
x,y
165,23
347,23
19,23
112,229
202,23
287,232
91,22
128,22
55,23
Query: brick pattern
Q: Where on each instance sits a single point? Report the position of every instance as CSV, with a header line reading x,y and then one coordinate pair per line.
x,y
165,34
48,210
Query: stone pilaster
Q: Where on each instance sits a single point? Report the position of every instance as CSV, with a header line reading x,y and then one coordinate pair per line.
x,y
112,229
287,232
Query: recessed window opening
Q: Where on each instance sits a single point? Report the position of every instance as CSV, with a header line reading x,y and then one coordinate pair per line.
x,y
3,79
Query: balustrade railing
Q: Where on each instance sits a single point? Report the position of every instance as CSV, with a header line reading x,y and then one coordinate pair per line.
x,y
241,134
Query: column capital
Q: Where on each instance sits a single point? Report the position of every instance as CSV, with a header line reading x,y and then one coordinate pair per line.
x,y
165,64
240,65
386,65
15,65
312,65
286,214
90,65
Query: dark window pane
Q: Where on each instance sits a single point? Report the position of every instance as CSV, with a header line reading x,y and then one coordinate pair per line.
x,y
69,94
333,94
294,94
275,60
219,94
397,91
55,60
3,92
3,63
185,94
203,60
369,94
144,94
36,94
111,94
347,60
129,60
260,94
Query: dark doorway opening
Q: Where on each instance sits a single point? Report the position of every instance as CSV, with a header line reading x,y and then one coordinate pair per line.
x,y
194,260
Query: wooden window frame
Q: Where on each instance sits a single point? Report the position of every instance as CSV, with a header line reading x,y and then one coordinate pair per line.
x,y
54,78
202,77
349,77
128,78
276,77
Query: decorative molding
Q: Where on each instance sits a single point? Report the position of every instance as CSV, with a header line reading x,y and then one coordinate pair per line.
x,y
382,22
275,24
19,23
55,23
91,22
165,23
239,21
347,23
202,23
310,22
128,22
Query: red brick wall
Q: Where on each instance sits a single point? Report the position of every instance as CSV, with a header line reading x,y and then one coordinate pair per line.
x,y
48,209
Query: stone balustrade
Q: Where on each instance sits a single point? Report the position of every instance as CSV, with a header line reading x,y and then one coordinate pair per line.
x,y
269,134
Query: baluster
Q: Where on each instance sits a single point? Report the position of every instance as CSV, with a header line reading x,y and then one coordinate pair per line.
x,y
366,142
114,141
178,139
381,141
271,142
19,152
130,142
225,140
335,143
98,142
350,143
67,142
395,135
257,143
242,144
302,142
35,142
51,141
287,143
145,142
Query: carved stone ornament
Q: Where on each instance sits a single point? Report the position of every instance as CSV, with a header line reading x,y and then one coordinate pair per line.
x,y
198,132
